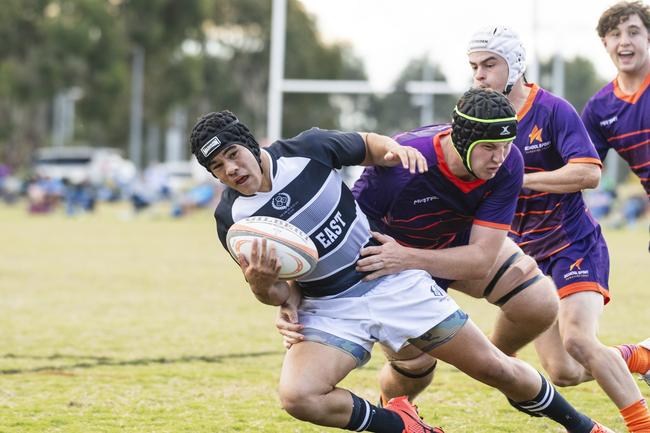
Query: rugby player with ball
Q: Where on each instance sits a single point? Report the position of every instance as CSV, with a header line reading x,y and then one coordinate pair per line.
x,y
296,180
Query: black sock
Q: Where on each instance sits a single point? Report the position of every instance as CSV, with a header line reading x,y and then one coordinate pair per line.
x,y
368,417
551,404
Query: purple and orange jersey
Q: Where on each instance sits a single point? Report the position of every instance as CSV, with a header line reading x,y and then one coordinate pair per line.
x,y
436,209
622,122
550,135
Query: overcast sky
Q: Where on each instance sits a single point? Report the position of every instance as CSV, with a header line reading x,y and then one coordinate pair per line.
x,y
387,33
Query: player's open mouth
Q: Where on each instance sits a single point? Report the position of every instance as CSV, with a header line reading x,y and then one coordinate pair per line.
x,y
626,54
241,180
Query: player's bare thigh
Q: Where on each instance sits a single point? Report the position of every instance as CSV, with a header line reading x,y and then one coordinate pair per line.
x,y
521,269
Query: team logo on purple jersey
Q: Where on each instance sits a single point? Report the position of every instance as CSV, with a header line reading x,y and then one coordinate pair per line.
x,y
535,135
576,264
575,271
535,141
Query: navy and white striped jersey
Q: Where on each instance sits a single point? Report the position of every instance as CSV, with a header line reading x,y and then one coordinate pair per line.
x,y
308,191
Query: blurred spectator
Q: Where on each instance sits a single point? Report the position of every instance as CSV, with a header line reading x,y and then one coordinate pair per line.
x,y
79,197
9,185
600,202
142,194
202,195
43,195
633,208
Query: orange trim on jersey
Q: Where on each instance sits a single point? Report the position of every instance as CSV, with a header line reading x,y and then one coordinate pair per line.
x,y
584,286
526,197
634,97
568,244
464,186
640,131
533,168
492,225
640,165
586,161
538,212
634,146
534,212
534,88
559,249
545,229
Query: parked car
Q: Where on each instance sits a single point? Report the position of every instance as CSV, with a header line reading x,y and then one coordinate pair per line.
x,y
182,175
80,163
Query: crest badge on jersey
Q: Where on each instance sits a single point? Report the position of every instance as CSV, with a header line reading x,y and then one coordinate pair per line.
x,y
281,201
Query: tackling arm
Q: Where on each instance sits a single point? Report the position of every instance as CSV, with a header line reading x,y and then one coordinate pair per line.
x,y
384,151
467,262
573,177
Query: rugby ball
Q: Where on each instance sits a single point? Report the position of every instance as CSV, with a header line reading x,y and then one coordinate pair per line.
x,y
297,253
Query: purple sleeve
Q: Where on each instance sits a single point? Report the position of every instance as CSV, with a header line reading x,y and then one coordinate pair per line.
x,y
498,208
571,137
595,133
369,191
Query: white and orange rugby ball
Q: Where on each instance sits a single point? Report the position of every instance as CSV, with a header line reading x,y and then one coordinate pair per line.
x,y
297,253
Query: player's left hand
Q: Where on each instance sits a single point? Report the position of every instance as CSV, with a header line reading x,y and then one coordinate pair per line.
x,y
410,157
385,259
287,320
262,269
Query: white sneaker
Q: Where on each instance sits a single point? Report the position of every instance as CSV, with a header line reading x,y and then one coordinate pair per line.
x,y
646,344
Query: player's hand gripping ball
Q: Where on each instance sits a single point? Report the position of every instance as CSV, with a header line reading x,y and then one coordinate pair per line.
x,y
296,251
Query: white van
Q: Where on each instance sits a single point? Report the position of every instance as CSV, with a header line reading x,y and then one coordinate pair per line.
x,y
80,163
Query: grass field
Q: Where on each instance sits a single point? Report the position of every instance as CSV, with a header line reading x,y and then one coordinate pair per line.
x,y
145,324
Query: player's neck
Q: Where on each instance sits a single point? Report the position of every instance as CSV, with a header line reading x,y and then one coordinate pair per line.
x,y
453,160
267,183
630,82
519,95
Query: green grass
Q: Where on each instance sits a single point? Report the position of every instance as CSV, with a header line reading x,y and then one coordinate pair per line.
x,y
109,324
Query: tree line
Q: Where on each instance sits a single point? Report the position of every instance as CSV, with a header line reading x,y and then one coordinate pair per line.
x,y
199,55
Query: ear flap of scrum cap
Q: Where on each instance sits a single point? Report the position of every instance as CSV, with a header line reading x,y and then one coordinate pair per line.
x,y
505,43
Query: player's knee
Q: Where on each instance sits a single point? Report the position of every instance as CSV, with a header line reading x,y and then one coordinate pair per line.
x,y
537,308
421,367
299,403
546,304
562,376
579,346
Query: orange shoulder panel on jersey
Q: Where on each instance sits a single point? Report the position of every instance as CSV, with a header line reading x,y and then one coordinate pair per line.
x,y
634,97
534,88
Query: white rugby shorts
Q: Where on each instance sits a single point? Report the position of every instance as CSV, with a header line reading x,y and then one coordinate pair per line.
x,y
389,310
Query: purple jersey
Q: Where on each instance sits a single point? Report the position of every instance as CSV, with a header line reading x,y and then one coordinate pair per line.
x,y
622,122
550,135
436,209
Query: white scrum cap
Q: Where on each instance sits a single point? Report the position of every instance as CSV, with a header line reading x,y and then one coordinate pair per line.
x,y
505,43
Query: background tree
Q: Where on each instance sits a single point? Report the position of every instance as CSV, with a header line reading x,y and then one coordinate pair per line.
x,y
399,111
580,80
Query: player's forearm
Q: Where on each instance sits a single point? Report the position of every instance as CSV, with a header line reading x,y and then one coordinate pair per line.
x,y
572,177
468,262
377,146
276,294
